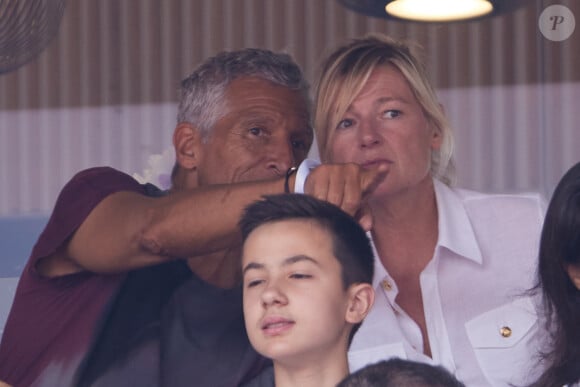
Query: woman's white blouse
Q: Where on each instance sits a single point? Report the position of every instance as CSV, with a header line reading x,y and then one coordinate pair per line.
x,y
481,323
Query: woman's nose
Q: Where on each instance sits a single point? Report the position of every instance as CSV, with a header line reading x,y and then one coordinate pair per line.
x,y
368,133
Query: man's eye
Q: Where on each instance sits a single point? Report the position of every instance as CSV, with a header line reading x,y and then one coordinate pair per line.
x,y
344,124
391,113
256,131
299,145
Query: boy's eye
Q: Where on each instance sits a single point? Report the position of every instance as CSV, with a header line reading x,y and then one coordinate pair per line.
x,y
254,283
344,123
300,276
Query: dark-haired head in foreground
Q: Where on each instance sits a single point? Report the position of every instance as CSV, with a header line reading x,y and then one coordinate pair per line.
x,y
307,273
401,373
559,280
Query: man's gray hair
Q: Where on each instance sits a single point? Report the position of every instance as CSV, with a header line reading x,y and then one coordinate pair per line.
x,y
202,93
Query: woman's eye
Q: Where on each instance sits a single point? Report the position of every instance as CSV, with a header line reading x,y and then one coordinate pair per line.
x,y
344,123
391,113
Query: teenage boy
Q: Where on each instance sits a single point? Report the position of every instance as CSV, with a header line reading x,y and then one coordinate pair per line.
x,y
307,273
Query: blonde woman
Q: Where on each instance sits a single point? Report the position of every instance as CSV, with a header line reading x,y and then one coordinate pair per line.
x,y
450,263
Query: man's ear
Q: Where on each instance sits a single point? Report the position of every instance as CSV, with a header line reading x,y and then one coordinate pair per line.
x,y
187,142
574,273
361,298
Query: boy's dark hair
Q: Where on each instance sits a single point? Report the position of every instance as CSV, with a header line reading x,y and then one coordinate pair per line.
x,y
401,373
350,245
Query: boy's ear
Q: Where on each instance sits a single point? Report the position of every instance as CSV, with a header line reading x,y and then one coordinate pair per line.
x,y
187,141
574,273
361,298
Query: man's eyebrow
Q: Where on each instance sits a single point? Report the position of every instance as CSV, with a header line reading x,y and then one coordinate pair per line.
x,y
255,121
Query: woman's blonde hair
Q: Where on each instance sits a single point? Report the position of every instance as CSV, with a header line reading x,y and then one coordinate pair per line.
x,y
346,71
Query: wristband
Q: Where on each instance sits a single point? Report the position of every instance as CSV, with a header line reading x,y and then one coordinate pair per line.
x,y
289,173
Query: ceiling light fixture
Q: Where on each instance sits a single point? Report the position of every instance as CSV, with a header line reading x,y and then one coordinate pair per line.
x,y
438,11
433,10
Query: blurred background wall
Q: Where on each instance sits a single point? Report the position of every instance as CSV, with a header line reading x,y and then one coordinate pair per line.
x,y
104,91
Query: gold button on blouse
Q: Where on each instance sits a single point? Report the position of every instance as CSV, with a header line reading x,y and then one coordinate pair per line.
x,y
505,332
386,284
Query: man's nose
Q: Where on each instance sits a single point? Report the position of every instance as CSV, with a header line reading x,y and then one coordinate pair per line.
x,y
281,157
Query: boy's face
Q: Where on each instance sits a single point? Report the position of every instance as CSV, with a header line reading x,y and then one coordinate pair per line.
x,y
294,300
